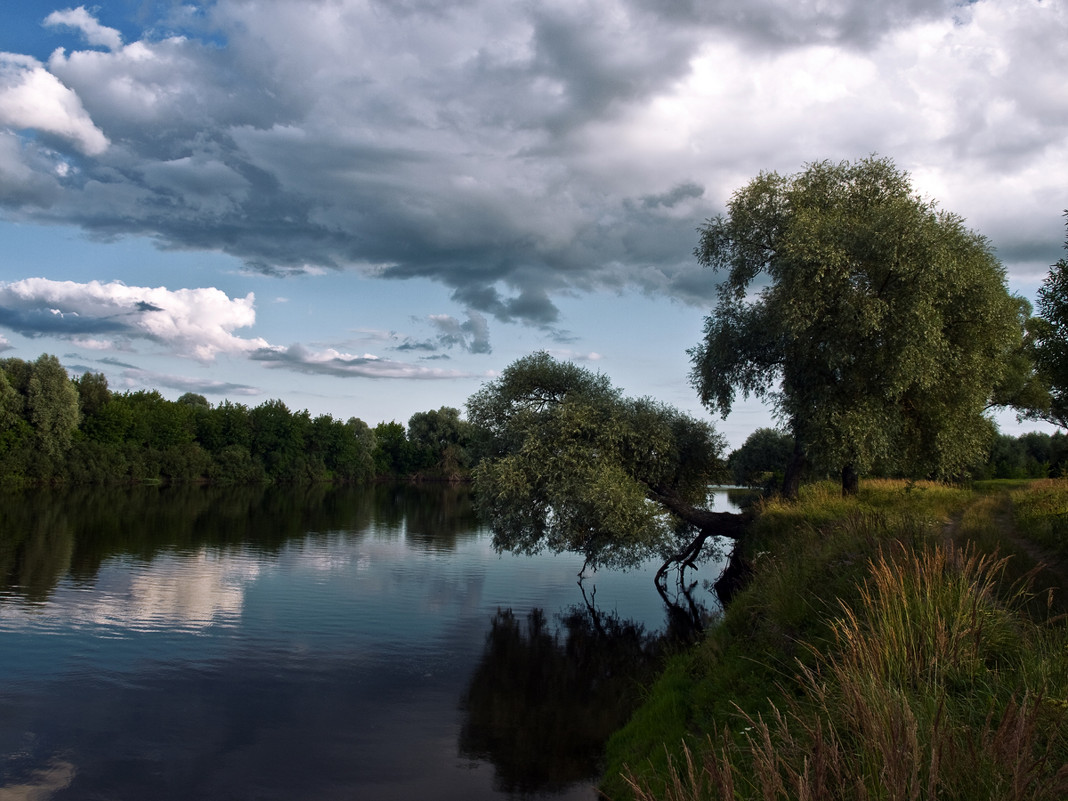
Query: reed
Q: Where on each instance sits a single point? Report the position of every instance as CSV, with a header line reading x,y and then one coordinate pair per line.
x,y
923,679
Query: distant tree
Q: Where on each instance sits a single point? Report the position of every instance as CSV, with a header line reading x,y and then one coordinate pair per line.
x,y
1051,339
195,400
52,403
278,439
876,324
354,460
393,453
439,441
569,464
18,373
235,424
14,430
93,393
157,422
765,452
111,422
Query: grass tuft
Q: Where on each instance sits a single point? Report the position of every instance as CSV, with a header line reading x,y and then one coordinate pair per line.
x,y
884,662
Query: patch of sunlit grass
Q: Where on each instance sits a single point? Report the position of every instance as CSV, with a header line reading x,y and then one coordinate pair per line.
x,y
1041,513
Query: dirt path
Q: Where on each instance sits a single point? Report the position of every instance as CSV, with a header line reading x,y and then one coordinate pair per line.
x,y
1050,569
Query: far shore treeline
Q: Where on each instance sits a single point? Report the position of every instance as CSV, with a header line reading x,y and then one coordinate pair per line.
x,y
58,430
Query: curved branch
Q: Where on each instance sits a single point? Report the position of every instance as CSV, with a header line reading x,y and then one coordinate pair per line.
x,y
708,523
720,524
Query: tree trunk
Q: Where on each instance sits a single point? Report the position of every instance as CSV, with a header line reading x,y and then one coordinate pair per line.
x,y
791,481
850,481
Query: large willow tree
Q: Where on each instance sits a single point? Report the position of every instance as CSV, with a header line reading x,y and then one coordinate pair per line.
x,y
570,464
876,324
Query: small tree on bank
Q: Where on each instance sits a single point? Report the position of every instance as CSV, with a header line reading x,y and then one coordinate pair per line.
x,y
877,325
570,464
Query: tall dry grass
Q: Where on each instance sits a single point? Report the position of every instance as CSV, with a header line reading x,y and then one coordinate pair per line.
x,y
934,688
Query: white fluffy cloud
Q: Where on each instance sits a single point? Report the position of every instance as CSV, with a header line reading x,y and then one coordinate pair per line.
x,y
197,323
82,20
32,97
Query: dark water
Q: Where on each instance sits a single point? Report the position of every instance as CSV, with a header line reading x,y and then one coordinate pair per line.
x,y
197,643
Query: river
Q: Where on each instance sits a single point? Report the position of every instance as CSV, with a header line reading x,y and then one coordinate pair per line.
x,y
319,643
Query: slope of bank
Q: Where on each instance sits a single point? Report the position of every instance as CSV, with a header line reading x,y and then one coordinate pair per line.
x,y
886,645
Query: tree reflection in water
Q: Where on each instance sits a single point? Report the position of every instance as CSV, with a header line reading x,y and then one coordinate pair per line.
x,y
543,702
51,533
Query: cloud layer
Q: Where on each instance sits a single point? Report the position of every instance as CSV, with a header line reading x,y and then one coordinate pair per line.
x,y
198,323
520,153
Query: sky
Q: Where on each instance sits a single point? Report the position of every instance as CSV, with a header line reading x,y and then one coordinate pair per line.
x,y
371,207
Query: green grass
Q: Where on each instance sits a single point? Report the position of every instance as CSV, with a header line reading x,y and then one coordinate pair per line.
x,y
1041,514
870,658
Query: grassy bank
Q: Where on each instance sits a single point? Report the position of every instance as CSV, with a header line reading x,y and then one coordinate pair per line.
x,y
888,648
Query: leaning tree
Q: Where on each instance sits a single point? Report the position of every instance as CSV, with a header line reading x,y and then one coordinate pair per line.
x,y
570,464
878,326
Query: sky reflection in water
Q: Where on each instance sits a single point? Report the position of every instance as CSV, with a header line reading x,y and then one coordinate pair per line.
x,y
243,645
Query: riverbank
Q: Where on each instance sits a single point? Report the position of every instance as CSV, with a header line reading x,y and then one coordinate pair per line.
x,y
889,643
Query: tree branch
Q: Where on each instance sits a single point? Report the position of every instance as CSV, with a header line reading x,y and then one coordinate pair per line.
x,y
719,524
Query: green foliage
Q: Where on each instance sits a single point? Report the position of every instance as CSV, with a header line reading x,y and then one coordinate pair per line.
x,y
440,442
1041,514
277,439
13,429
52,405
764,453
1032,455
93,393
393,455
1050,334
877,325
1023,384
569,464
56,430
195,400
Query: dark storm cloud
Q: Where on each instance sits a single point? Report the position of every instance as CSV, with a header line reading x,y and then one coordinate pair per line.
x,y
772,23
43,322
512,153
113,362
425,345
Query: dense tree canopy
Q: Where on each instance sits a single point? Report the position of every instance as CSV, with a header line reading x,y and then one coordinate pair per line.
x,y
440,442
570,464
877,325
764,453
52,403
1051,339
54,429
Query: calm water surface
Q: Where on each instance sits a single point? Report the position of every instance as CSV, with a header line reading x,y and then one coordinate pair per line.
x,y
322,643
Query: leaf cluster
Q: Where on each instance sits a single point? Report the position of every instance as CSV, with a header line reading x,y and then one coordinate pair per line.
x,y
1050,339
569,464
877,324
